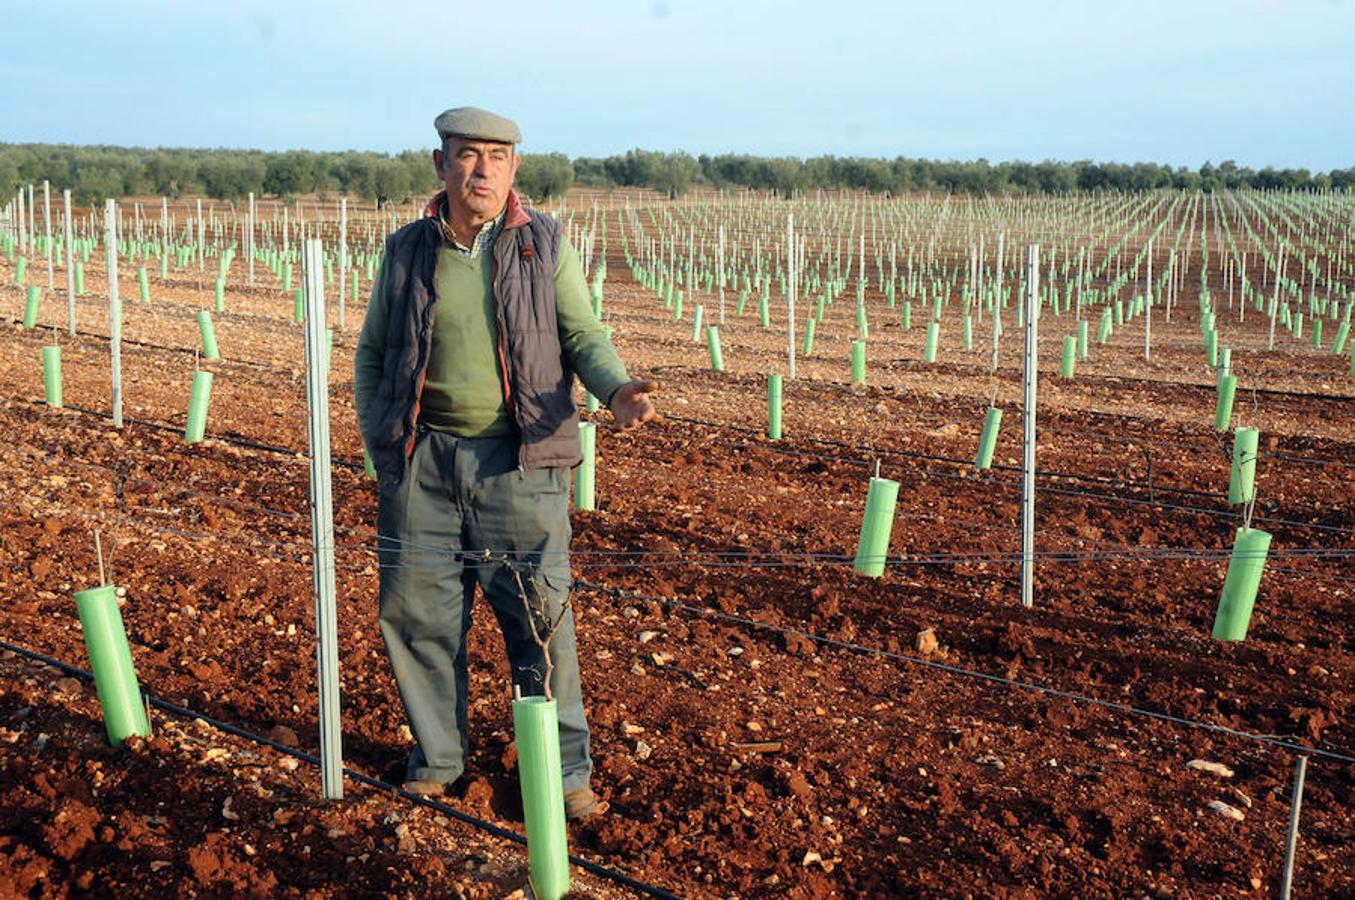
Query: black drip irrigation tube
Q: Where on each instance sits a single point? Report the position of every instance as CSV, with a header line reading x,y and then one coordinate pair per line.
x,y
151,345
226,439
614,875
867,650
932,457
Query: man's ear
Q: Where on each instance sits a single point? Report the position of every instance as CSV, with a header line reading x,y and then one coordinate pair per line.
x,y
438,160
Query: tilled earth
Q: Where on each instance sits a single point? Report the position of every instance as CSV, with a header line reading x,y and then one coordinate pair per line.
x,y
766,722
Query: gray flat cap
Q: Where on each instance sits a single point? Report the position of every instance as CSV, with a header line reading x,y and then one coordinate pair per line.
x,y
477,124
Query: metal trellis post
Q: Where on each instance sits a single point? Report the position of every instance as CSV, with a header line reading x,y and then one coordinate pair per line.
x,y
1031,374
114,306
322,521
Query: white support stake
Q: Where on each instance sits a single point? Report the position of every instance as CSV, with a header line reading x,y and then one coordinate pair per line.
x,y
249,239
720,269
1148,307
1275,300
790,293
343,256
70,263
47,225
322,521
114,307
1031,373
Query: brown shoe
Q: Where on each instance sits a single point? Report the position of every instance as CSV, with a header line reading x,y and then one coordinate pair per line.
x,y
424,788
581,802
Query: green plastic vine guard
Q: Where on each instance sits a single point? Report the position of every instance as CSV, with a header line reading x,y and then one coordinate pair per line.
x,y
698,317
34,298
933,338
858,362
1342,333
111,661
992,423
51,375
1240,585
208,333
873,546
774,394
1223,406
717,359
1067,362
585,474
536,732
807,348
1242,476
198,401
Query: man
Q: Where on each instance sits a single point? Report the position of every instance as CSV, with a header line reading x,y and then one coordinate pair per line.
x,y
478,322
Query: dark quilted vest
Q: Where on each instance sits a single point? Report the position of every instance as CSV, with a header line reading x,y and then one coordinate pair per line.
x,y
542,395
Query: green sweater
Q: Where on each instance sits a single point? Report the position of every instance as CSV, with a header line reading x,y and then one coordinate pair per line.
x,y
463,389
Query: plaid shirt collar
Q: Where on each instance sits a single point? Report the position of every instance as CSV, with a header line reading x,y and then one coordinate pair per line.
x,y
489,232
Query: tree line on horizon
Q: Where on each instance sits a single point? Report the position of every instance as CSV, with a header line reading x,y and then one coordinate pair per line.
x,y
96,172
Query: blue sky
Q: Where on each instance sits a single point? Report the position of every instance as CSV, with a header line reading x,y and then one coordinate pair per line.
x,y
1177,82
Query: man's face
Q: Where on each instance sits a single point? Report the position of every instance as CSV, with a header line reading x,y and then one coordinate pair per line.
x,y
477,174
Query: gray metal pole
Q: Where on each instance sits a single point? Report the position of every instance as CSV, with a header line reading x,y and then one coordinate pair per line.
x,y
720,270
1171,284
343,257
164,228
1295,803
70,263
1031,374
322,521
249,240
47,226
790,292
1275,300
114,306
1148,307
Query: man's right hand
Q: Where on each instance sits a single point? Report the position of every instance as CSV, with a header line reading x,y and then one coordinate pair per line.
x,y
631,405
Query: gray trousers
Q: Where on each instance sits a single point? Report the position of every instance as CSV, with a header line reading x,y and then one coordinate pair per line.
x,y
466,514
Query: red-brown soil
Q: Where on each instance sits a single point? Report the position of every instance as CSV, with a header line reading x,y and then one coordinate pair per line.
x,y
766,722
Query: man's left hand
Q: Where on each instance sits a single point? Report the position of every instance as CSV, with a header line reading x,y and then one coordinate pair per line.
x,y
631,405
